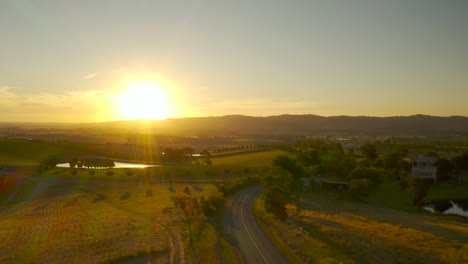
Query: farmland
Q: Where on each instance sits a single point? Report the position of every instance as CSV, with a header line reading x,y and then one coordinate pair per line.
x,y
264,157
92,223
29,152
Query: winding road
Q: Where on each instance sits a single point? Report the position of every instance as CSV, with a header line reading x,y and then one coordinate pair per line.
x,y
244,234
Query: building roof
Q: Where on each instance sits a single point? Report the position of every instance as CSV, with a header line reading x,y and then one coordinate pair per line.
x,y
425,159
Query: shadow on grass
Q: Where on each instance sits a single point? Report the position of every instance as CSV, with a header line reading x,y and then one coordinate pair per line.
x,y
149,193
99,198
125,196
197,189
142,257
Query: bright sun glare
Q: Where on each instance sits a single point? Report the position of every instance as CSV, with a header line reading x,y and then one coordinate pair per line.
x,y
144,100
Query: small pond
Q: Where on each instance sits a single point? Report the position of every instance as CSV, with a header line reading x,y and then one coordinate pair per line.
x,y
454,207
117,165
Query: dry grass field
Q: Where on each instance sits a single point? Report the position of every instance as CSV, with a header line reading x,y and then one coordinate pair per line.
x,y
337,231
94,222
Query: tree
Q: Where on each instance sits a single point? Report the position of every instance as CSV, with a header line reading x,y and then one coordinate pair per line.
x,y
50,162
460,162
389,161
187,154
360,188
419,188
365,173
444,168
307,158
205,155
275,202
369,151
289,165
73,162
192,215
212,204
339,164
431,154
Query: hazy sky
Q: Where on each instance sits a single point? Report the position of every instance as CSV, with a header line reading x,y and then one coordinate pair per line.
x,y
68,61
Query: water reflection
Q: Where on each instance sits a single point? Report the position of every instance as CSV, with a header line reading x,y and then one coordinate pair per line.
x,y
117,165
448,207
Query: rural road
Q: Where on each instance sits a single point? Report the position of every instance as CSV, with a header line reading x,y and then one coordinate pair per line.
x,y
244,234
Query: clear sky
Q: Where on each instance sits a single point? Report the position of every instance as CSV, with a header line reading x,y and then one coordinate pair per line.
x,y
77,61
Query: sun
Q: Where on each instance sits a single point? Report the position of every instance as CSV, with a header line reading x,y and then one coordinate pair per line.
x,y
144,100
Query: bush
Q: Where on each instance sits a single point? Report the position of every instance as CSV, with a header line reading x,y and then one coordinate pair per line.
x,y
275,202
110,173
91,172
360,188
50,162
237,185
166,210
217,201
73,172
419,188
212,204
129,173
365,173
289,165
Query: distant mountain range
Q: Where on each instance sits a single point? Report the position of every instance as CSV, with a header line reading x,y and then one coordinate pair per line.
x,y
283,125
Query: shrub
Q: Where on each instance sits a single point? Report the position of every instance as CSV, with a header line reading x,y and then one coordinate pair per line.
x,y
217,201
419,188
275,202
289,165
360,188
110,173
129,173
73,172
166,210
91,172
212,204
50,162
365,173
234,186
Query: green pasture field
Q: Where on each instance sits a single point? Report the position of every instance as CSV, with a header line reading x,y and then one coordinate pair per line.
x,y
27,152
264,157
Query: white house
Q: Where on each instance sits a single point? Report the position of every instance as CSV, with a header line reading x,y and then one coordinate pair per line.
x,y
423,167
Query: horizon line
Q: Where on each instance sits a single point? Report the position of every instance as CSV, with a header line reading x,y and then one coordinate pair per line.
x,y
230,115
